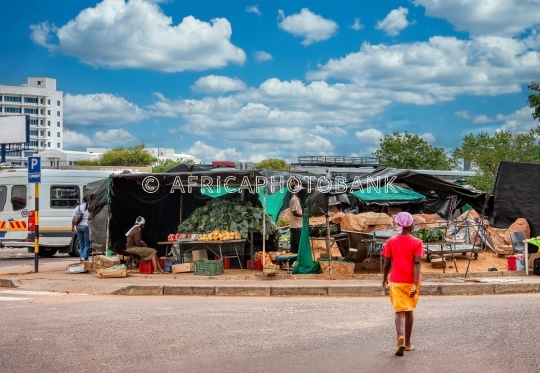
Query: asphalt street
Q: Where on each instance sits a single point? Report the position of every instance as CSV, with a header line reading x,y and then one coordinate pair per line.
x,y
10,257
45,332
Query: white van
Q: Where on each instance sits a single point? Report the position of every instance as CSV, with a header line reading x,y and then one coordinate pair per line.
x,y
60,191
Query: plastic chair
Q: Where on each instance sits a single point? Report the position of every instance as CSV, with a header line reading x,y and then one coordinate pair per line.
x,y
517,241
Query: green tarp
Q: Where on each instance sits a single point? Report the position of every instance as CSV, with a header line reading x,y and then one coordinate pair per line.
x,y
304,261
387,194
216,192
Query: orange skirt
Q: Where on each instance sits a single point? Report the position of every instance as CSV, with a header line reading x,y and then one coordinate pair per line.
x,y
399,296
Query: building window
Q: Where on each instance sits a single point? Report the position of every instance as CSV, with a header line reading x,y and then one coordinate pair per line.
x,y
0,100
48,102
57,124
48,123
39,82
42,112
30,111
15,110
12,99
57,103
33,132
31,100
42,122
33,122
57,113
49,133
0,109
18,197
48,112
58,145
41,101
57,134
43,143
33,143
42,133
49,145
65,195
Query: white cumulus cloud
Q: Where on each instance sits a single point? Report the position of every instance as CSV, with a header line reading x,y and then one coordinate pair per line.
x,y
438,70
100,109
357,25
312,27
486,17
520,120
394,22
103,139
370,136
480,119
462,114
218,84
428,137
74,140
114,137
137,34
253,9
208,153
261,56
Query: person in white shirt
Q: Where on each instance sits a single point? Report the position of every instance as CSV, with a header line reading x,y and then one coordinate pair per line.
x,y
83,232
295,221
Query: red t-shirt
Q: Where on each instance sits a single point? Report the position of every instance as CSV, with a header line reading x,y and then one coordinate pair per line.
x,y
402,249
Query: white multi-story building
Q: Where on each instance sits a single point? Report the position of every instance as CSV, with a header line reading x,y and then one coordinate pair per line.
x,y
44,104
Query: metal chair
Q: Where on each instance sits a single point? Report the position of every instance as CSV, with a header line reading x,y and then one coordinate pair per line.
x,y
517,241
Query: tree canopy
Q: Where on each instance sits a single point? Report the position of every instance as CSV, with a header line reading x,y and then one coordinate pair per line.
x,y
120,156
168,164
534,99
409,151
486,152
272,163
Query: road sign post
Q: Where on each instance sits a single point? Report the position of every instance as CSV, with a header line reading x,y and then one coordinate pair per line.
x,y
34,176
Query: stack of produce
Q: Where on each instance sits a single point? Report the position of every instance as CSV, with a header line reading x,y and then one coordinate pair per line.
x,y
285,236
429,235
238,216
222,235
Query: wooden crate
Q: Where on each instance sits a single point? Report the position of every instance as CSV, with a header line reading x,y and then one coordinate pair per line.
x,y
344,268
108,273
438,263
504,250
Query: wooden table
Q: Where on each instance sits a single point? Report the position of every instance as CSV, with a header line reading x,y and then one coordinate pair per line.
x,y
208,245
442,244
334,239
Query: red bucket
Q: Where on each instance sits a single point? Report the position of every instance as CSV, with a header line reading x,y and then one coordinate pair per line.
x,y
511,259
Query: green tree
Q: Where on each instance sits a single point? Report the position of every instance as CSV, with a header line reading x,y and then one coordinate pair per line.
x,y
120,156
166,165
410,151
534,99
486,152
272,163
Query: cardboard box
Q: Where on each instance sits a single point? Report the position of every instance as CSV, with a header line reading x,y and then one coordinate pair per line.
x,y
183,267
532,258
106,273
199,254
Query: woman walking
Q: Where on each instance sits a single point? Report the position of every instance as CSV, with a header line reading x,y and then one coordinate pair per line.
x,y
402,255
80,225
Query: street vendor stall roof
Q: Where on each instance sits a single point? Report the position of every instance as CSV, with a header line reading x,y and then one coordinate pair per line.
x,y
422,183
388,195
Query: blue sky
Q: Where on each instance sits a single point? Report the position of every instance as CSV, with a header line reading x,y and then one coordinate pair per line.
x,y
237,80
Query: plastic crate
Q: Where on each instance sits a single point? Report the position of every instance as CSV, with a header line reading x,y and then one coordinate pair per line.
x,y
169,264
207,267
146,267
257,264
226,262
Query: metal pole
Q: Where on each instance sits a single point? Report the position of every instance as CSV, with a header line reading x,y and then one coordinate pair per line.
x,y
36,227
328,241
264,227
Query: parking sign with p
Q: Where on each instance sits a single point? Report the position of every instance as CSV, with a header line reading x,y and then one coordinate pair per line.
x,y
34,169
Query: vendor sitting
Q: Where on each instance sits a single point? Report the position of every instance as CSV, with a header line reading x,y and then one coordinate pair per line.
x,y
135,245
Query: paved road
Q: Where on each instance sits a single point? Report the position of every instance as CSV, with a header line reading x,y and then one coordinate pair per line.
x,y
76,333
10,257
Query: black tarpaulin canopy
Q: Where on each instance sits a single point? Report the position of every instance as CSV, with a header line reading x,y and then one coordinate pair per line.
x,y
515,195
167,198
422,183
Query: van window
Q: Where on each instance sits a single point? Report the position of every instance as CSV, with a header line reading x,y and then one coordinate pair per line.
x,y
65,196
18,197
3,196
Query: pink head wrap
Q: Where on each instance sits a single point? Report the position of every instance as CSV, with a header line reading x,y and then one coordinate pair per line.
x,y
403,220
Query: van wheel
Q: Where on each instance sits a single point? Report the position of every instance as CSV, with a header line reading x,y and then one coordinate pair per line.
x,y
47,252
75,251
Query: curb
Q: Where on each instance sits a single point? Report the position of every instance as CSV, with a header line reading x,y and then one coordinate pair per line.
x,y
333,291
9,283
